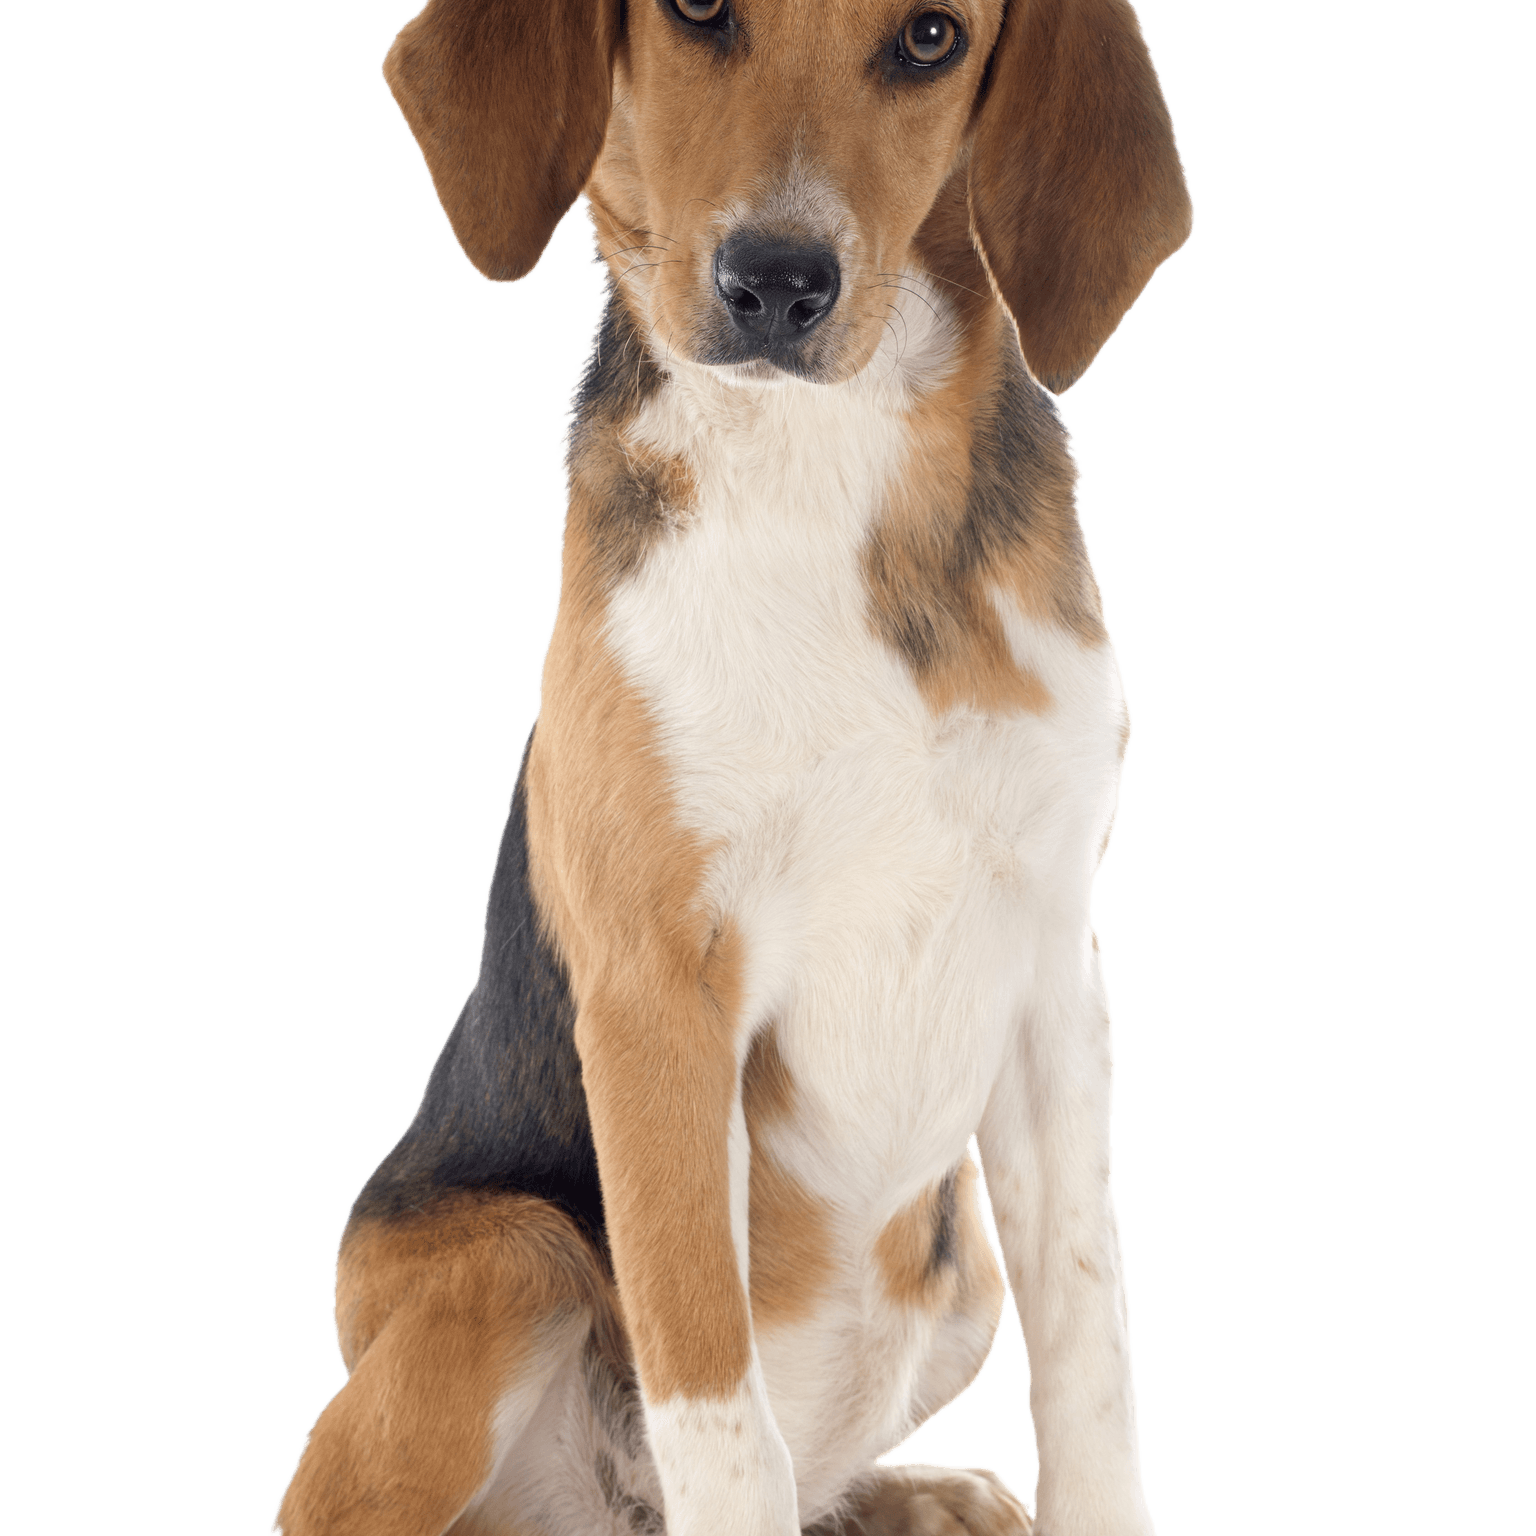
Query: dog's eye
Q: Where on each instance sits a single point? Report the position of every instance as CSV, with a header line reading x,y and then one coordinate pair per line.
x,y
928,39
700,10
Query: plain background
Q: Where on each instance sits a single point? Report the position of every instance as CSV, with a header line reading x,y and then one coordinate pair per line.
x,y
284,492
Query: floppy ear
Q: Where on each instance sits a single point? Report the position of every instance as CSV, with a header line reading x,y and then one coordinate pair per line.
x,y
509,101
1076,189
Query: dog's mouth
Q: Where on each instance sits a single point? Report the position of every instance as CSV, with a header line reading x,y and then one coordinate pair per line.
x,y
760,371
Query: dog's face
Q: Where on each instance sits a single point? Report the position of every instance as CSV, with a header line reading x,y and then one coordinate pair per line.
x,y
768,165
760,169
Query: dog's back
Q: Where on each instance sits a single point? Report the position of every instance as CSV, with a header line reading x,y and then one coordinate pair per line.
x,y
793,899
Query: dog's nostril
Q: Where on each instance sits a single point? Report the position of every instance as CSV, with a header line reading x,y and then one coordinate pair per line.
x,y
743,299
773,291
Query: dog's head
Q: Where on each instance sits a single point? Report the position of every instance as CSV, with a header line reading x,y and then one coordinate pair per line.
x,y
759,169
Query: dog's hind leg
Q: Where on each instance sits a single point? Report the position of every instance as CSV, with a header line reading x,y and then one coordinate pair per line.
x,y
454,1319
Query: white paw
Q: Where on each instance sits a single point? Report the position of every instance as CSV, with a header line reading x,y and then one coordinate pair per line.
x,y
723,1465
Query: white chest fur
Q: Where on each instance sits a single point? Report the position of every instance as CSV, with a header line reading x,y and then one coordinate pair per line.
x,y
888,870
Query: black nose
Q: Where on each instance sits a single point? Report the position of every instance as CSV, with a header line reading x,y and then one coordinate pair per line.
x,y
775,291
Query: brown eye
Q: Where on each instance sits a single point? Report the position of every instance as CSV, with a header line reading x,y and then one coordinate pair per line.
x,y
700,10
929,38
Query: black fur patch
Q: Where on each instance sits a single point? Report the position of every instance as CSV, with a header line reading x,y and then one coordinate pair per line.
x,y
614,1394
504,1108
1020,493
620,374
621,504
1017,451
945,1215
636,1513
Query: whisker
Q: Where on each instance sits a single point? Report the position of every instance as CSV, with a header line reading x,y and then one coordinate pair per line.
x,y
645,266
901,346
898,278
897,286
928,277
906,335
624,250
864,314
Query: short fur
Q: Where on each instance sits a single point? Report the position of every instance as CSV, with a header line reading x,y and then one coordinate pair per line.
x,y
793,897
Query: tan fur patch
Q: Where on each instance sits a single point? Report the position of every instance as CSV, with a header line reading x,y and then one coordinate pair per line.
x,y
791,1230
935,1254
767,1090
792,1244
438,1312
917,1250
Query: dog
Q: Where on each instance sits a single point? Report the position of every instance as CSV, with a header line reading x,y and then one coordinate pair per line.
x,y
793,897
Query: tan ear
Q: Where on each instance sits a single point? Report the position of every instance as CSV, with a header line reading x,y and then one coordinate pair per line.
x,y
1076,189
509,101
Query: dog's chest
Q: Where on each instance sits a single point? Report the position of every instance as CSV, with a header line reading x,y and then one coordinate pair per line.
x,y
884,867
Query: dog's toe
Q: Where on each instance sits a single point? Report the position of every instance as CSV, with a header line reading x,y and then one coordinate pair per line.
x,y
935,1501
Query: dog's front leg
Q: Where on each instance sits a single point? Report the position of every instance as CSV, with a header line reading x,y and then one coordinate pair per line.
x,y
662,1075
1045,1149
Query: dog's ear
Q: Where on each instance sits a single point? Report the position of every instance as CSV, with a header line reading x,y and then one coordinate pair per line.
x,y
1076,189
509,101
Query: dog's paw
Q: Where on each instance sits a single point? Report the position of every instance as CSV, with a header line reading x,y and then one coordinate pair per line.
x,y
933,1501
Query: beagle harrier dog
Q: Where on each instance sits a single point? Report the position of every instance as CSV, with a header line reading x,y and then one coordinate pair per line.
x,y
793,898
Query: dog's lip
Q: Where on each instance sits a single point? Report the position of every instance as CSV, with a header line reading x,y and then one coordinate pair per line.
x,y
757,368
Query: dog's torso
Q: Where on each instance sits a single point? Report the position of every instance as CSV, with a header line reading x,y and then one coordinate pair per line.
x,y
884,863
887,866
891,872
